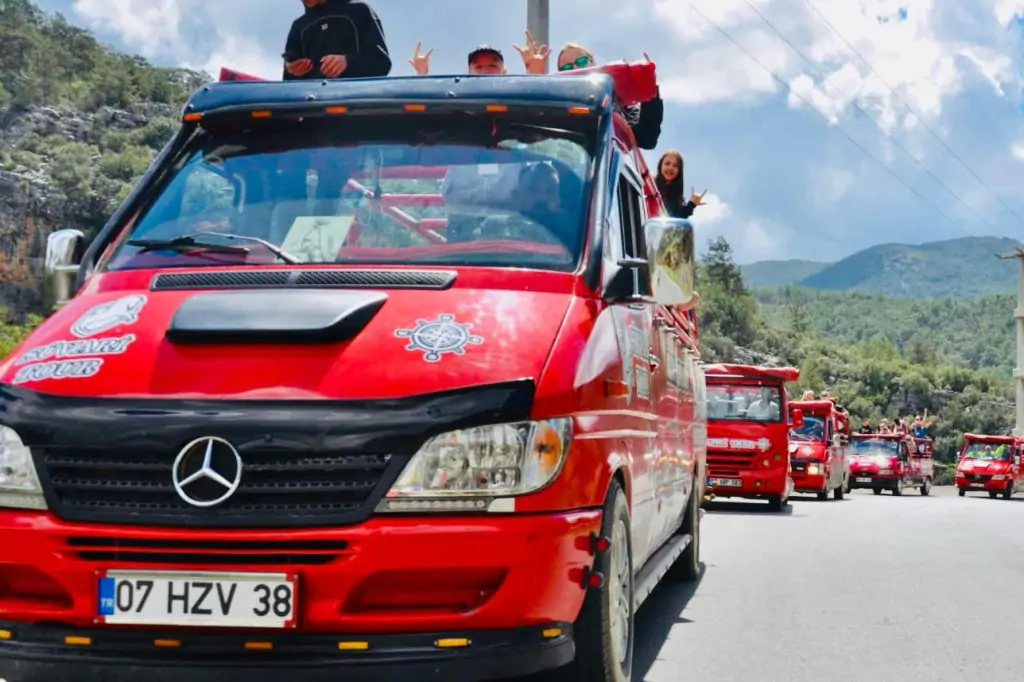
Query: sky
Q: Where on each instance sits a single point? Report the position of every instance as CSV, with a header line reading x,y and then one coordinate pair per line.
x,y
818,127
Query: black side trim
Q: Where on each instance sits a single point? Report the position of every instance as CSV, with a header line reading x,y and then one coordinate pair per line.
x,y
39,654
306,462
274,316
346,278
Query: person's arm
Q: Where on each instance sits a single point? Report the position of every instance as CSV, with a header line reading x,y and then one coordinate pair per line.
x,y
647,129
373,59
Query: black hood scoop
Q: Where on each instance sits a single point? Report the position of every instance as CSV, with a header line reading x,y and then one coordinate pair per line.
x,y
274,316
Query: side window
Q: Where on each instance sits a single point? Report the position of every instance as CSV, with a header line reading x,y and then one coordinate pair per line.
x,y
629,198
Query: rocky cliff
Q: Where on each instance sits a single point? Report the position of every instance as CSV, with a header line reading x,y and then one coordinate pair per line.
x,y
79,122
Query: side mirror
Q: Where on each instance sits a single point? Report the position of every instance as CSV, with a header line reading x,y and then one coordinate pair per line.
x,y
670,260
64,250
796,418
837,440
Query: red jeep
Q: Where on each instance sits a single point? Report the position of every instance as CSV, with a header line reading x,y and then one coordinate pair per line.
x,y
991,464
376,379
748,432
891,461
817,449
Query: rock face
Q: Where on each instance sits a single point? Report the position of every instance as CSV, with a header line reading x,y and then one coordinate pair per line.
x,y
44,186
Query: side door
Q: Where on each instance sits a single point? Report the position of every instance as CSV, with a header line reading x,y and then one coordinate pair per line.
x,y
639,349
1018,466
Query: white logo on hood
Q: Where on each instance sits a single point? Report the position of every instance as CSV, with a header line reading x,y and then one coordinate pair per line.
x,y
106,316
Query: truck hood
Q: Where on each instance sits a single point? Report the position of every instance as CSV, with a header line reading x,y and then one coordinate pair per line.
x,y
982,466
287,344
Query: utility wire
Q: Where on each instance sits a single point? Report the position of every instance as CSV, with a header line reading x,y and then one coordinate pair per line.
x,y
851,100
822,114
916,115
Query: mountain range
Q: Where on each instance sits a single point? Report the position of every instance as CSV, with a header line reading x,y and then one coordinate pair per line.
x,y
954,268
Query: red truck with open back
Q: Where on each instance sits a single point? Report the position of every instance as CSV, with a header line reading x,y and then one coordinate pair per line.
x,y
891,461
817,449
384,379
748,432
991,464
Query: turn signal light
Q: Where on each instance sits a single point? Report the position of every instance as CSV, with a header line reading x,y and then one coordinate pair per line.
x,y
452,643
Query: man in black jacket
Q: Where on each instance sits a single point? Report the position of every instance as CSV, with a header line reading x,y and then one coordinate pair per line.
x,y
336,39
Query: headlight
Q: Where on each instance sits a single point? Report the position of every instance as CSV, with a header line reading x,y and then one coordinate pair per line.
x,y
998,477
813,469
884,472
503,460
19,483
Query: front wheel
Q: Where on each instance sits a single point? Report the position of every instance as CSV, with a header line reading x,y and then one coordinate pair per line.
x,y
898,488
1008,493
963,492
687,566
777,503
604,629
838,492
877,491
926,487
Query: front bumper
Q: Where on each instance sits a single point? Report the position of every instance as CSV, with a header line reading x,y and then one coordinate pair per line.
x,y
429,573
39,654
752,484
986,484
809,483
867,481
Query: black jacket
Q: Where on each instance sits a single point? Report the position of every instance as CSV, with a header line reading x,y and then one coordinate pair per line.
x,y
672,197
346,27
645,120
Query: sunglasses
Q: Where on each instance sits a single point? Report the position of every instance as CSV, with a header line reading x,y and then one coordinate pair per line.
x,y
578,63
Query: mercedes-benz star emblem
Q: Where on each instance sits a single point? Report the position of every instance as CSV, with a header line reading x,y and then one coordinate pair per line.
x,y
207,471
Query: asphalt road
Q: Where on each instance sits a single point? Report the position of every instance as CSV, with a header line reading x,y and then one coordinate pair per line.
x,y
871,588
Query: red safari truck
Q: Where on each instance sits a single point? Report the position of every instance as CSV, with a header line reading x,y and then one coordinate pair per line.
x,y
990,464
396,380
817,449
891,461
748,429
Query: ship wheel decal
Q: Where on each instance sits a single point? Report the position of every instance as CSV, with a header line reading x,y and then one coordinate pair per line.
x,y
434,338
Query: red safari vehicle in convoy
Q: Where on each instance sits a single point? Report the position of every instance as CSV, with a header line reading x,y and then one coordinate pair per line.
x,y
817,449
748,428
990,464
891,461
383,379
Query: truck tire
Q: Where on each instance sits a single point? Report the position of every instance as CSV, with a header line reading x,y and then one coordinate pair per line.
x,y
962,491
897,489
604,653
687,567
1008,493
823,495
926,487
839,492
846,485
777,503
877,491
993,494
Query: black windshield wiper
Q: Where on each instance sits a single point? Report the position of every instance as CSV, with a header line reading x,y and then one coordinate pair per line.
x,y
191,242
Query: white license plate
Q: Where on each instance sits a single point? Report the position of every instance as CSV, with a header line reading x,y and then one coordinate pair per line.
x,y
236,600
863,480
727,482
977,485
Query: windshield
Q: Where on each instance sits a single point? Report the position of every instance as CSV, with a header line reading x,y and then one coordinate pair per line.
x,y
813,430
986,451
744,403
876,446
455,192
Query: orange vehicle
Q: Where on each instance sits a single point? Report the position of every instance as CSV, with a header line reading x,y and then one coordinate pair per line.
x,y
891,461
990,464
748,432
817,449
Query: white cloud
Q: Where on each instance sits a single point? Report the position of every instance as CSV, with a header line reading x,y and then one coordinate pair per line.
x,y
713,210
1018,151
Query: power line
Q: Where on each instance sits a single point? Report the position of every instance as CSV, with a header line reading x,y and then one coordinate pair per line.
x,y
851,101
822,114
916,115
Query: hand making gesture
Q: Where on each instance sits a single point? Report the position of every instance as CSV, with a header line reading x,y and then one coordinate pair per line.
x,y
535,57
421,62
697,199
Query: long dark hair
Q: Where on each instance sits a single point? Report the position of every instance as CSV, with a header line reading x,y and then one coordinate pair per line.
x,y
671,191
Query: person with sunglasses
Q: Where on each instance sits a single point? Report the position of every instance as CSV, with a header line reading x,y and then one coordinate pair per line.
x,y
645,119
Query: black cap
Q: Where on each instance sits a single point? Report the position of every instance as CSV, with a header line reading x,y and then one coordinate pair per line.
x,y
485,49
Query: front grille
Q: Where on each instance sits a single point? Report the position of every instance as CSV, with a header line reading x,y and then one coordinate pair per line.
x,y
729,463
275,483
207,552
977,478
